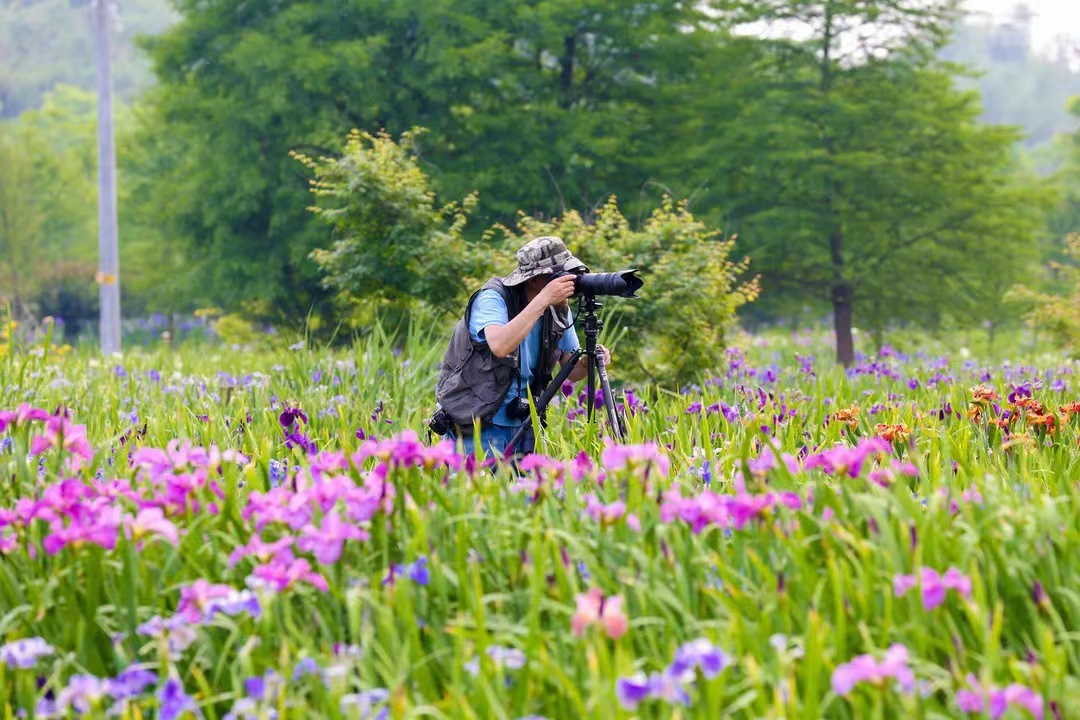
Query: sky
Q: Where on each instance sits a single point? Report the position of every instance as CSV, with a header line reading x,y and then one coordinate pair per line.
x,y
1052,17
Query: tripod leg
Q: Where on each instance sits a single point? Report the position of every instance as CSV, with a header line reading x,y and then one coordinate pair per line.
x,y
614,421
591,385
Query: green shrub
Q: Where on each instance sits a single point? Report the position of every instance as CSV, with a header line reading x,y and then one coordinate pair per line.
x,y
677,328
391,243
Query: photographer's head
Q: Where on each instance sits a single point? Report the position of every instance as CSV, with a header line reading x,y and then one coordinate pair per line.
x,y
541,259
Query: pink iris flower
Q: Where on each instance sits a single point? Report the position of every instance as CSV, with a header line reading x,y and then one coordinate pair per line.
x,y
594,607
150,521
21,415
196,598
60,433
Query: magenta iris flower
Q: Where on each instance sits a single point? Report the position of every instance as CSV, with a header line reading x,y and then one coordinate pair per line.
x,y
151,521
21,416
848,461
281,575
66,437
326,542
997,701
933,585
648,456
866,668
92,523
262,551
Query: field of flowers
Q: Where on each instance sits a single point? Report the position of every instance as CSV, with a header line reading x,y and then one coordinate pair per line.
x,y
270,535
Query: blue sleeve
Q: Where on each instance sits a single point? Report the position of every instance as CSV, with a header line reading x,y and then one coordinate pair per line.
x,y
488,309
569,341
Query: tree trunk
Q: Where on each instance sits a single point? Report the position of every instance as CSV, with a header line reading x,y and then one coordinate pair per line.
x,y
845,343
566,81
841,297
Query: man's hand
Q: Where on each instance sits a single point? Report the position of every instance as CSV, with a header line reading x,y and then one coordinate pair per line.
x,y
584,359
606,353
557,291
582,368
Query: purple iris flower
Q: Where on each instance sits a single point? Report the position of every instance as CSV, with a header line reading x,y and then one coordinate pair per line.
x,y
278,471
636,689
365,704
174,701
24,653
130,683
1019,391
82,693
418,571
290,415
307,666
632,691
698,653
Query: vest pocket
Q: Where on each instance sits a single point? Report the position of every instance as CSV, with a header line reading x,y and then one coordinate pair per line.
x,y
489,377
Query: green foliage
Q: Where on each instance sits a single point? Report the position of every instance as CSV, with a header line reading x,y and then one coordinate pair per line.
x,y
692,289
48,236
236,331
391,243
1058,314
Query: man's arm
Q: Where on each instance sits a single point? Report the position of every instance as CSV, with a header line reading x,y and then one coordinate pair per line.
x,y
504,339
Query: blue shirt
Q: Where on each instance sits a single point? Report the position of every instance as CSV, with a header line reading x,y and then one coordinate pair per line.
x,y
490,309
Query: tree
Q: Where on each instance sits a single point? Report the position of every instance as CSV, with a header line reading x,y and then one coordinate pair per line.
x,y
856,171
391,243
539,105
47,207
22,214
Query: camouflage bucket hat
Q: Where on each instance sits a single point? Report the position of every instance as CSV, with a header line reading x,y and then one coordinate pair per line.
x,y
543,256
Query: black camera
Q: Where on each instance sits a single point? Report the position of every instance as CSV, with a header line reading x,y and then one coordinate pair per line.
x,y
518,409
440,423
624,283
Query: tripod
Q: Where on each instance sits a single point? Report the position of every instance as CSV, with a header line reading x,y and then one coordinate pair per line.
x,y
596,368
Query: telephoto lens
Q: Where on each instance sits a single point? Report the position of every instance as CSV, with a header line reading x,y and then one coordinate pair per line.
x,y
624,283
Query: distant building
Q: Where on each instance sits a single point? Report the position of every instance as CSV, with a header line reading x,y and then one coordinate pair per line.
x,y
1010,41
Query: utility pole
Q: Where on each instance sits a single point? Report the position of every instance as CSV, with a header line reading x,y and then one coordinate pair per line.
x,y
108,276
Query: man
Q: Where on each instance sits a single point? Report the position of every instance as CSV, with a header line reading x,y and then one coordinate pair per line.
x,y
514,333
